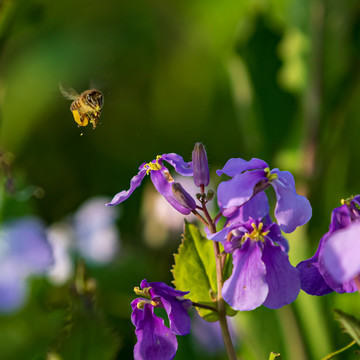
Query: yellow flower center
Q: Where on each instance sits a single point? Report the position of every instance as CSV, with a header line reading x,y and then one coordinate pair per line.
x,y
153,165
257,234
270,176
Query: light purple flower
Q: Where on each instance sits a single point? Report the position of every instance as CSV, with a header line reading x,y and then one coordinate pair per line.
x,y
207,336
335,263
251,177
155,341
24,251
161,178
95,231
262,273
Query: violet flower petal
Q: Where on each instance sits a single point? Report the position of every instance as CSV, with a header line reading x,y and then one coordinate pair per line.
x,y
276,236
340,218
155,341
311,281
256,208
134,183
292,210
341,253
236,166
180,166
345,287
282,278
159,287
175,307
246,289
238,190
221,235
164,187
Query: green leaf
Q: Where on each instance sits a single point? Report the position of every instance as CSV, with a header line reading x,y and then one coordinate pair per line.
x,y
274,356
350,324
195,271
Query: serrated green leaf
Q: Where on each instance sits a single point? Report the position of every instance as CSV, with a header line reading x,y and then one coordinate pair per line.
x,y
274,356
350,324
195,269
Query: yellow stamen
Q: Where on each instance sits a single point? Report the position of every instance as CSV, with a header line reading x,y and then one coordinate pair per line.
x,y
257,234
270,176
153,165
347,200
140,304
142,292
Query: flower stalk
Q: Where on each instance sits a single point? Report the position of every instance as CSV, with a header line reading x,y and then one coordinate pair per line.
x,y
221,305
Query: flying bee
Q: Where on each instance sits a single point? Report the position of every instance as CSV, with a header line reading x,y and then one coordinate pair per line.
x,y
86,107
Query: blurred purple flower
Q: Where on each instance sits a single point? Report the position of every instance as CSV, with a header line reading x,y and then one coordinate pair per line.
x,y
155,341
96,236
207,335
250,178
335,263
91,232
161,179
262,273
24,251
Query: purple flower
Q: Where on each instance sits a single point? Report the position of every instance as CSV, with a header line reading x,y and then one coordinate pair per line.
x,y
262,273
24,251
155,341
251,177
161,178
335,263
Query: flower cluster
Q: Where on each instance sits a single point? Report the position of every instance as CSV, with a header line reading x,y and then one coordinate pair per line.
x,y
335,265
155,340
262,273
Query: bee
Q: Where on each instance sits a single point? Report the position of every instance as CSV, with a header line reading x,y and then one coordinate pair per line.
x,y
86,107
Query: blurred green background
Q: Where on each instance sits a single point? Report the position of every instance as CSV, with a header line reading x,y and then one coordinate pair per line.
x,y
278,80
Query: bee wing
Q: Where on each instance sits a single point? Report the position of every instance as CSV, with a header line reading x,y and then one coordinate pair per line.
x,y
68,93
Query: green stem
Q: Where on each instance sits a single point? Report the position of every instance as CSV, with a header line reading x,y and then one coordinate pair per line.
x,y
220,282
203,306
330,356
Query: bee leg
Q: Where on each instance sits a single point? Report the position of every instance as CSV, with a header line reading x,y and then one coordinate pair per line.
x,y
94,123
81,121
93,118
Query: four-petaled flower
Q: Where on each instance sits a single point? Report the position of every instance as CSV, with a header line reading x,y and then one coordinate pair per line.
x,y
262,273
335,263
250,178
155,340
161,178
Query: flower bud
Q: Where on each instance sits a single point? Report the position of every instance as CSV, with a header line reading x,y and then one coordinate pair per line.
x,y
183,197
200,165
